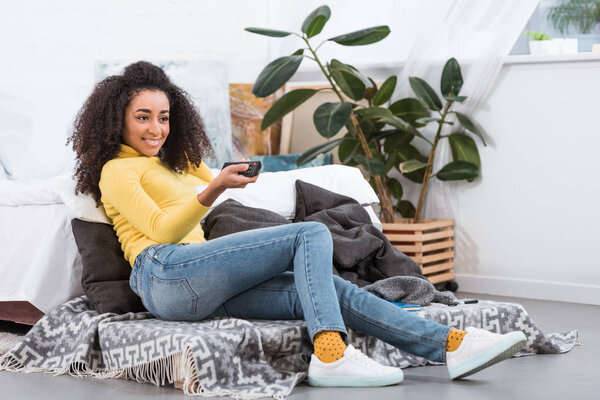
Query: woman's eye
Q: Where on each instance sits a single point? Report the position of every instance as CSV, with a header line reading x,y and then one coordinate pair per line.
x,y
165,119
142,117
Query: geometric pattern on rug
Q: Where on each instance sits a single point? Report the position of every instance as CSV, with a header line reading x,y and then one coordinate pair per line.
x,y
228,356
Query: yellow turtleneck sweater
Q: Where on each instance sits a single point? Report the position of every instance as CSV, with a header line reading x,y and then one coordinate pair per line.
x,y
150,204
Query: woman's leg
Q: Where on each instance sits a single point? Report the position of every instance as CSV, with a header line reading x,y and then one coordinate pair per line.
x,y
189,282
278,298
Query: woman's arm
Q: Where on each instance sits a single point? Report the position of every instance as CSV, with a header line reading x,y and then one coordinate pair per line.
x,y
227,178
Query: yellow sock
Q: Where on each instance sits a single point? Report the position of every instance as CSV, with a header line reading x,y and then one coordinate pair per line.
x,y
455,338
329,346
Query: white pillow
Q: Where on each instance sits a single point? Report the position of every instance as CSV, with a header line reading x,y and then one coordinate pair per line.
x,y
276,191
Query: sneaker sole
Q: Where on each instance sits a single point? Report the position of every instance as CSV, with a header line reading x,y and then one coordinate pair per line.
x,y
349,381
504,349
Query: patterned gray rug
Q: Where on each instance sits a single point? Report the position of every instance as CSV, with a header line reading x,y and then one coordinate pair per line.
x,y
226,357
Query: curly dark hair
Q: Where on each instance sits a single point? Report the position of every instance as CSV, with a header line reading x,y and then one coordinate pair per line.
x,y
97,130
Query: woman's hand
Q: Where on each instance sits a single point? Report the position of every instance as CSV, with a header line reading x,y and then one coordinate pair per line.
x,y
227,178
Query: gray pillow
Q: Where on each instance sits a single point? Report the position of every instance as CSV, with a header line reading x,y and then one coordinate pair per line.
x,y
105,276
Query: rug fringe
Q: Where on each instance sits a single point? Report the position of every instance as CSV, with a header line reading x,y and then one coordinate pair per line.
x,y
176,367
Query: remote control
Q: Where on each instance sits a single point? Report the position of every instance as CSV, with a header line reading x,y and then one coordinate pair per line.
x,y
253,167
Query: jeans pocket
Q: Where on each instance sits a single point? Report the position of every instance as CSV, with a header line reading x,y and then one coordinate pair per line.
x,y
172,299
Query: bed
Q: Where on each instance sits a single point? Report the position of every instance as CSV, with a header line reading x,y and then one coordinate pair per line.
x,y
41,267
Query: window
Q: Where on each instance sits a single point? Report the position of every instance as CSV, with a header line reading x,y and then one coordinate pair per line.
x,y
573,19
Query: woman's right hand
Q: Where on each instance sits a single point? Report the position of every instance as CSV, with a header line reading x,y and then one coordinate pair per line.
x,y
228,178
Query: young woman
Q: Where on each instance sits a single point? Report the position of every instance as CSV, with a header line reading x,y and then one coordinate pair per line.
x,y
140,145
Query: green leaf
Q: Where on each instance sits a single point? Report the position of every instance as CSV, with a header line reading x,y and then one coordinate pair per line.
x,y
470,125
372,165
395,188
425,93
403,125
329,118
312,153
406,209
427,120
385,91
285,104
458,170
268,32
460,99
298,52
411,166
408,152
349,83
348,148
313,24
397,141
368,82
391,162
362,37
464,149
410,110
275,75
374,113
452,79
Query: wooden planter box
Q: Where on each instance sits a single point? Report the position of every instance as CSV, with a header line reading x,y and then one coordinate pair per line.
x,y
430,243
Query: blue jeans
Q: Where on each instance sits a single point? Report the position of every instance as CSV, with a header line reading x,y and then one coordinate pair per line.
x,y
281,272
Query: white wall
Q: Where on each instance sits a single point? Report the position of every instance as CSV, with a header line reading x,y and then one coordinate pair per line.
x,y
531,226
49,51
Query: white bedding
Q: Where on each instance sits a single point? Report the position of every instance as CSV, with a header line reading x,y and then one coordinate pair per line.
x,y
39,262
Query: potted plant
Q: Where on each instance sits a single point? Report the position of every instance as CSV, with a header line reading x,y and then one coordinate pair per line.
x,y
540,43
378,138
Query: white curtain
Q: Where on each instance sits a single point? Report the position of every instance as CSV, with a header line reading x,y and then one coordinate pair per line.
x,y
479,34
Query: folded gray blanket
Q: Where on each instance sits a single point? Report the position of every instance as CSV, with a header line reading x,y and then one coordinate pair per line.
x,y
408,289
362,254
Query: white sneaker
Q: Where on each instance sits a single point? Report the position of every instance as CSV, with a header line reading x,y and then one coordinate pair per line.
x,y
480,349
353,369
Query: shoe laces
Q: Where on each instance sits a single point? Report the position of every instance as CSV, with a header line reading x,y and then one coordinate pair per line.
x,y
363,359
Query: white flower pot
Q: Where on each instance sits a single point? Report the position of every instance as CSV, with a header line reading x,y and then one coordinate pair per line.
x,y
542,47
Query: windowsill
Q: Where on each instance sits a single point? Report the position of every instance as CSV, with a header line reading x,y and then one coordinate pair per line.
x,y
550,58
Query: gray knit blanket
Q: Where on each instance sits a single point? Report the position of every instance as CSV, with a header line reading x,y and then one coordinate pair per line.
x,y
227,357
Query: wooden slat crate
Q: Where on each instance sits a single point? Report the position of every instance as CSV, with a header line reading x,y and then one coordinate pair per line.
x,y
430,243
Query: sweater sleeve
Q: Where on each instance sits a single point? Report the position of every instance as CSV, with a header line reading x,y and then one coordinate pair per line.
x,y
122,189
202,172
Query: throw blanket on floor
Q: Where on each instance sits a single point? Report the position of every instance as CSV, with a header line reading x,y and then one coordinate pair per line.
x,y
361,252
228,356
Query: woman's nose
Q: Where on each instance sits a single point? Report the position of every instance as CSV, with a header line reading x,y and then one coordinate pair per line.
x,y
154,128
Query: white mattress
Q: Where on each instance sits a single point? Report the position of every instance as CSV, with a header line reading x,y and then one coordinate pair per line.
x,y
39,261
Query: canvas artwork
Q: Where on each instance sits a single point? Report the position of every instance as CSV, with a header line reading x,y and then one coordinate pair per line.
x,y
206,83
247,112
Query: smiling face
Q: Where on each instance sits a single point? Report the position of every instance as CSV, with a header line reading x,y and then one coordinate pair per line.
x,y
146,122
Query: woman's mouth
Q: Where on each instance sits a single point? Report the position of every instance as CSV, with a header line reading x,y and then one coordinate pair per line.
x,y
152,142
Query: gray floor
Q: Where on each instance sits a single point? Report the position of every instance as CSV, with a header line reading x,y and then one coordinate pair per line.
x,y
574,375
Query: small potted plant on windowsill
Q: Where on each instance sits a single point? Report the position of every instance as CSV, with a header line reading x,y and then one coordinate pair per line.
x,y
541,43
